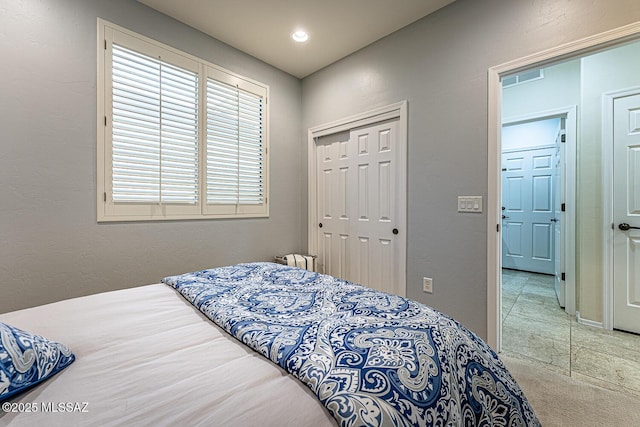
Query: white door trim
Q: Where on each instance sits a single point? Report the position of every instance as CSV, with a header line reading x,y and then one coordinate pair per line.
x,y
397,110
571,131
608,99
494,144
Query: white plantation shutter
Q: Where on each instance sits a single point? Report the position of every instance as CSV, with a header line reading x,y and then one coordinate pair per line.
x,y
181,138
155,130
251,171
235,131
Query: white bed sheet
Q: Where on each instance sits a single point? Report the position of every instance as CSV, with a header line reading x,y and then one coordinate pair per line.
x,y
145,356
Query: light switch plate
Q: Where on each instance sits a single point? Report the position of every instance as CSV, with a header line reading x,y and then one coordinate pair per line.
x,y
470,204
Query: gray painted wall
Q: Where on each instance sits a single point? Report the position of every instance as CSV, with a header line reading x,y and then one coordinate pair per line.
x,y
51,246
439,64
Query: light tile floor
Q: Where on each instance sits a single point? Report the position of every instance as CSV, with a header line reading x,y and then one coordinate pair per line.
x,y
535,328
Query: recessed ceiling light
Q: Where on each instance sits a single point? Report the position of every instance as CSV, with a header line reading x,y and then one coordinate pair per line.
x,y
300,36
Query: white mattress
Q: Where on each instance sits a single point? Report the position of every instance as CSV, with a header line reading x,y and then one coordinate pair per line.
x,y
145,356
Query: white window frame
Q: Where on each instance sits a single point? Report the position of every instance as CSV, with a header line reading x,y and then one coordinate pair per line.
x,y
107,209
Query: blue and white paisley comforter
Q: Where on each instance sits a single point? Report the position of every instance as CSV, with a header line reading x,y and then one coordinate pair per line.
x,y
371,358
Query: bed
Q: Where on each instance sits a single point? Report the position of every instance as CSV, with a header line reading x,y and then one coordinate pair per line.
x,y
262,344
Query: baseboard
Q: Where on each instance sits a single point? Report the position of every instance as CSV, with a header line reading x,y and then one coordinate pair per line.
x,y
588,322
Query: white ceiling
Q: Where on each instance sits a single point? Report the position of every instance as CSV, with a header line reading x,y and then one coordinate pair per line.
x,y
262,28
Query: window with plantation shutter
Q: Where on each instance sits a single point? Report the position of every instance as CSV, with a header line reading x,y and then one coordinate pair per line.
x,y
154,130
181,138
235,174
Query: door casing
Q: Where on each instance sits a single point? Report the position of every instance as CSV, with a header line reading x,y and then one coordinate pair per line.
x,y
392,111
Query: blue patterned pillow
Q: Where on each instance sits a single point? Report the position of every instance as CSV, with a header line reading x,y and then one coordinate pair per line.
x,y
27,359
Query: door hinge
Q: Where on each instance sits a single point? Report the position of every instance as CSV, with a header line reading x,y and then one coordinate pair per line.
x,y
105,120
562,276
105,196
563,207
497,228
105,44
563,138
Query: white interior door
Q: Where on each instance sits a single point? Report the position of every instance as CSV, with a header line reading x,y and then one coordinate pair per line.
x,y
527,198
358,206
559,219
626,213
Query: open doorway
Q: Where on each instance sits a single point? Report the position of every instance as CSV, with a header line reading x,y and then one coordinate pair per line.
x,y
530,167
589,334
535,192
538,164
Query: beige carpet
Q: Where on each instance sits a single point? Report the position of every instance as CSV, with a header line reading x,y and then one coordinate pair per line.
x,y
559,400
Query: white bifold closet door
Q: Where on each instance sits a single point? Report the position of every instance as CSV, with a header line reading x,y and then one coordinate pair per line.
x,y
358,206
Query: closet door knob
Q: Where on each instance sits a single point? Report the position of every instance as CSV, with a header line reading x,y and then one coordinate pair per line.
x,y
395,231
320,225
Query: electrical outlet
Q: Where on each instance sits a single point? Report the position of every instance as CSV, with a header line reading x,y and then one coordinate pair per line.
x,y
427,284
